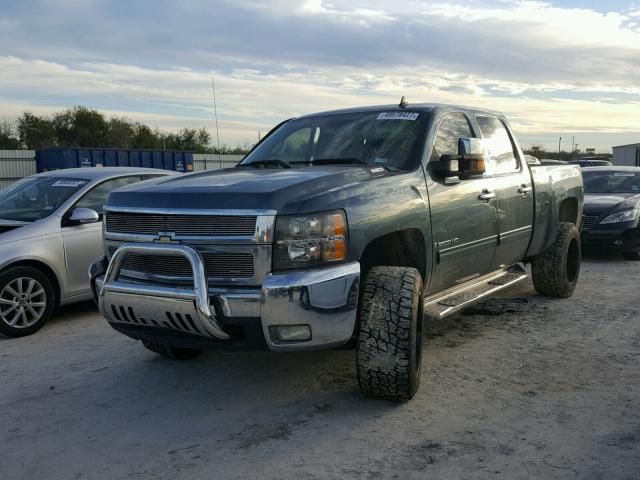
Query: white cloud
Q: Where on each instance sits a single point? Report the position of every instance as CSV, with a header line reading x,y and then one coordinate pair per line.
x,y
551,68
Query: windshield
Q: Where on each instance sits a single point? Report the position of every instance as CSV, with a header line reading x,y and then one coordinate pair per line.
x,y
612,182
36,197
390,139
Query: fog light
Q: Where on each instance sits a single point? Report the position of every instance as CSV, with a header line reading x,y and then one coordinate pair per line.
x,y
618,243
290,333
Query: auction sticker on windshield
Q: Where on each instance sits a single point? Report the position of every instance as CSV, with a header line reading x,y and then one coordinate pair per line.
x,y
398,116
69,183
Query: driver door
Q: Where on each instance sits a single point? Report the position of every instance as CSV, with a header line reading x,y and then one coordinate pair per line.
x,y
464,218
83,243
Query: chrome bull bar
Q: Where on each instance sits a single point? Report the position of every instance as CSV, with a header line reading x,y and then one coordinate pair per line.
x,y
197,297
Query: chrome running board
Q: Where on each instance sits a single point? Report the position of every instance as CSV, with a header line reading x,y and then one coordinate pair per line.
x,y
448,302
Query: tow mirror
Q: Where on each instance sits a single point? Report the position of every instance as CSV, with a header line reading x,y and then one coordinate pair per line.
x,y
468,163
83,215
472,154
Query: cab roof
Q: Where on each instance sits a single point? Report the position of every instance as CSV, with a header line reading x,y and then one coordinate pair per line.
x,y
409,107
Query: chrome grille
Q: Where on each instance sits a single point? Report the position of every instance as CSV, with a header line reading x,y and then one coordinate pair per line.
x,y
589,221
216,264
182,225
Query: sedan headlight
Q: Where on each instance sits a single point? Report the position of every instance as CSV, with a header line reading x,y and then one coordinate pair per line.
x,y
308,240
624,216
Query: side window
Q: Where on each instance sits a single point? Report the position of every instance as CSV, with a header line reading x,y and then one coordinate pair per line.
x,y
452,127
97,196
294,148
499,146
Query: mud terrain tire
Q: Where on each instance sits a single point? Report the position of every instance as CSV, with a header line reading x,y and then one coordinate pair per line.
x,y
555,273
389,347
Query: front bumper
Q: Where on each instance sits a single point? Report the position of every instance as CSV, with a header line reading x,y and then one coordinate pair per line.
x,y
617,240
323,299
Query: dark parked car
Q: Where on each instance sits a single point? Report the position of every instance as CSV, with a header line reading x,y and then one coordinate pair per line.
x,y
552,161
612,209
340,228
592,162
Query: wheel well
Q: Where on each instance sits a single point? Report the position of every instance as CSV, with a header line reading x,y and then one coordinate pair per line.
x,y
45,269
569,211
404,248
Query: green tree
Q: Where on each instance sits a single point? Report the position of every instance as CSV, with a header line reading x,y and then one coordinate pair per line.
x,y
36,132
80,127
145,138
8,137
120,133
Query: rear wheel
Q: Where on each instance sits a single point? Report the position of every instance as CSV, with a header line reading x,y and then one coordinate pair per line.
x,y
633,256
389,348
27,300
555,273
173,353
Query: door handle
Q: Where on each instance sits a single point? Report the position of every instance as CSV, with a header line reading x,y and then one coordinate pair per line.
x,y
524,189
486,195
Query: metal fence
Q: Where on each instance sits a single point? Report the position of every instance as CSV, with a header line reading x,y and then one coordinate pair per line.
x,y
16,164
213,161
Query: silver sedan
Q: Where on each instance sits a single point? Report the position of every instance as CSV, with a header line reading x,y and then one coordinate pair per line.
x,y
50,230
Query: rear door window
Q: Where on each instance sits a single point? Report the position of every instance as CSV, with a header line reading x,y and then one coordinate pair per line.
x,y
96,198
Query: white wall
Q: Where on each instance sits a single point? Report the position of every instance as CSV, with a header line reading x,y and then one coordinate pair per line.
x,y
626,156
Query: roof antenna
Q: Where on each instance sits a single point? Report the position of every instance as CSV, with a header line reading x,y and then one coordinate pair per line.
x,y
403,103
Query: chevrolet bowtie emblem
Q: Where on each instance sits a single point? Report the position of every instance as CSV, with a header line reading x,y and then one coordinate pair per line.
x,y
165,237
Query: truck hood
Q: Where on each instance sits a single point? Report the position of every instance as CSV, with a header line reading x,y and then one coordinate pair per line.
x,y
283,190
600,204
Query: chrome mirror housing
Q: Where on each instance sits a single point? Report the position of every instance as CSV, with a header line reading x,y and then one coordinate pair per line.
x,y
470,146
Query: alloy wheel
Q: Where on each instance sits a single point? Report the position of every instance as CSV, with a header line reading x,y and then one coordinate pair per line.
x,y
23,301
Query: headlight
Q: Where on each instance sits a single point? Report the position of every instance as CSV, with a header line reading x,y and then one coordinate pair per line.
x,y
624,216
307,240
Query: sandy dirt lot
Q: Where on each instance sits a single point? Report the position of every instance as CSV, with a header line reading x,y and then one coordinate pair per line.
x,y
522,387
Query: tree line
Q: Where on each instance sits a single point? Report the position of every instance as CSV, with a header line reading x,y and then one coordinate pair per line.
x,y
539,152
84,127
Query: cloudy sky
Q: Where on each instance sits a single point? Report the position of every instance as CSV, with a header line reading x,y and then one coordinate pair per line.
x,y
563,68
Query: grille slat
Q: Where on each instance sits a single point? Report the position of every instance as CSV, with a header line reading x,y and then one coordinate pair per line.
x,y
185,225
216,264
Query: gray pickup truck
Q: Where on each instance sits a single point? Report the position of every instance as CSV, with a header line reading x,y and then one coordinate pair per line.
x,y
340,229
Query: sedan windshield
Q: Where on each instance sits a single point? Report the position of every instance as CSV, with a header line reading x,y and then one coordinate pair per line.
x,y
36,197
612,181
390,139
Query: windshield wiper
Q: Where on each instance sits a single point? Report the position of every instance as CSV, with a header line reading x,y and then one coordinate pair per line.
x,y
268,161
354,161
339,161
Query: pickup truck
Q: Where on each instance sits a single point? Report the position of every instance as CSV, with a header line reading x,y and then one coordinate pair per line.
x,y
340,229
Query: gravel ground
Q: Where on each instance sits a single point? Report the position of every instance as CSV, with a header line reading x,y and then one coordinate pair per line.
x,y
520,387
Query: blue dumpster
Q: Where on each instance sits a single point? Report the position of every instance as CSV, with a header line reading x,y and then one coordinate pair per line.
x,y
59,158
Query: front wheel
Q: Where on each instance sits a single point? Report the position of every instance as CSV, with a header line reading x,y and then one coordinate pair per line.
x,y
389,348
27,300
555,273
